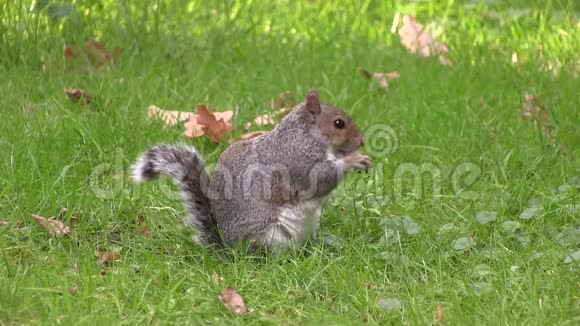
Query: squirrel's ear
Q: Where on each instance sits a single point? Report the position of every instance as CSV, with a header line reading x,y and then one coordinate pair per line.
x,y
313,102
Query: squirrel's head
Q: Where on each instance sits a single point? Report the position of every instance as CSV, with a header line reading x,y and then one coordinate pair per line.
x,y
339,131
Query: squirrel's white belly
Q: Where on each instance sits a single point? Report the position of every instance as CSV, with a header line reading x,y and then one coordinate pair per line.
x,y
296,224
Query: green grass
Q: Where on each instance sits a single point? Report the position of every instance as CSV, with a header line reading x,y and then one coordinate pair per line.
x,y
55,153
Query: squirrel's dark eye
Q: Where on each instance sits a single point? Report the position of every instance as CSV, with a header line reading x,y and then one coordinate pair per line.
x,y
339,123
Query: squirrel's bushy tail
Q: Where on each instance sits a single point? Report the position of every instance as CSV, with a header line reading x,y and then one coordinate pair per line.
x,y
186,166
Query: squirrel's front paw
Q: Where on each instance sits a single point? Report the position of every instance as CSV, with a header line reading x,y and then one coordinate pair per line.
x,y
358,161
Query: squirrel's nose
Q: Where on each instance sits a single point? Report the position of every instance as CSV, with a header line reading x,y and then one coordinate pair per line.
x,y
362,141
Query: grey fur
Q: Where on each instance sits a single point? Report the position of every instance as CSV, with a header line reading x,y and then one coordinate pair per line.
x,y
290,148
184,164
257,182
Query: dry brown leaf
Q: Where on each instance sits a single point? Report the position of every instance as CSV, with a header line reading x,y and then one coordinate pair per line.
x,y
140,220
216,124
106,258
419,41
62,213
145,231
533,110
439,317
233,301
143,228
69,52
199,123
193,128
266,119
52,226
94,52
169,117
381,77
78,95
73,291
365,73
97,54
269,119
384,77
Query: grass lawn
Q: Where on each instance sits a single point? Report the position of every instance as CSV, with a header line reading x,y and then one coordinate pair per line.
x,y
468,208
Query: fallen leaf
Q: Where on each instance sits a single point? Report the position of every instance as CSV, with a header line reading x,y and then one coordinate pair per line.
x,y
169,117
144,229
4,223
69,52
365,73
384,77
265,120
51,225
381,77
215,125
78,95
419,41
193,128
269,119
73,291
95,53
62,213
106,258
439,317
140,220
533,110
233,301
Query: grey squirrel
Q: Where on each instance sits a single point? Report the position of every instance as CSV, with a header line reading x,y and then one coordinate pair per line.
x,y
267,190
